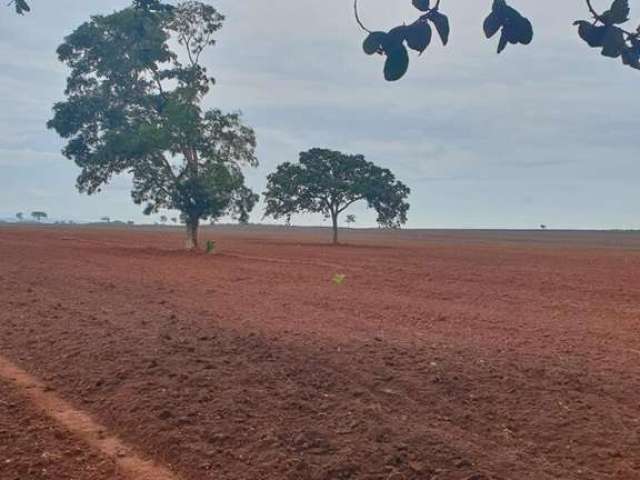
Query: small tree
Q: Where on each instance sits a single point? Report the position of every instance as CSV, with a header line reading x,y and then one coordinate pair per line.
x,y
20,216
163,219
351,219
39,216
105,219
174,219
329,182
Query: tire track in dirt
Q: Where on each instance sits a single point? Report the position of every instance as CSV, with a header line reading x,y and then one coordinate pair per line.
x,y
83,425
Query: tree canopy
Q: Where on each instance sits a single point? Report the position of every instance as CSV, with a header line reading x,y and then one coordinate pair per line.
x,y
133,104
328,182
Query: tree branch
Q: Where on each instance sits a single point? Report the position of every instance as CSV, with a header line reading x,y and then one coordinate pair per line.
x,y
600,18
355,11
348,204
595,14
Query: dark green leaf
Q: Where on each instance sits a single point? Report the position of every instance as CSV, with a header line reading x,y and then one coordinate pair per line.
x,y
613,42
397,64
525,31
441,23
396,36
594,36
510,32
373,43
422,5
618,13
503,41
631,57
492,24
418,36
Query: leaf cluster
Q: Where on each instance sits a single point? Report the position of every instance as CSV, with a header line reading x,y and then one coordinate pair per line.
x,y
416,36
604,33
513,27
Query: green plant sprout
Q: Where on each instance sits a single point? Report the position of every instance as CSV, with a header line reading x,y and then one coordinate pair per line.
x,y
339,278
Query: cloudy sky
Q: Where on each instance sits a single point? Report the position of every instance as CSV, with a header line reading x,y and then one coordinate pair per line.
x,y
540,134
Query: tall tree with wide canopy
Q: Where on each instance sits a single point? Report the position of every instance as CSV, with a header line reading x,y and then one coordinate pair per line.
x,y
133,105
329,182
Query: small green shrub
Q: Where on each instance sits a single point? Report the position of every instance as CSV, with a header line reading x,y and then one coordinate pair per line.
x,y
339,278
211,246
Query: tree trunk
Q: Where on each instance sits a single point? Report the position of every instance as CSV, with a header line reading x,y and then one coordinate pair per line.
x,y
192,234
334,220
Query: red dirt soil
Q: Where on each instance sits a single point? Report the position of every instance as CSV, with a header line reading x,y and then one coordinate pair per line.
x,y
32,447
443,355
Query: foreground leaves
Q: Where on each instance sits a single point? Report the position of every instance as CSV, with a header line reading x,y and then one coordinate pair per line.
x,y
416,36
513,26
613,41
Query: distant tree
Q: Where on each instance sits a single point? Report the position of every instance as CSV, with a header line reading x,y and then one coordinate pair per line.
x,y
105,219
134,104
131,222
329,182
350,219
543,227
174,219
39,216
163,218
20,216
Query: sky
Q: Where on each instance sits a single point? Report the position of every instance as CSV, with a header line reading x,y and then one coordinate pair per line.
x,y
544,134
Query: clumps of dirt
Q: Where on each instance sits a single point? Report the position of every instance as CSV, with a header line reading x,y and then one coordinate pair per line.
x,y
34,447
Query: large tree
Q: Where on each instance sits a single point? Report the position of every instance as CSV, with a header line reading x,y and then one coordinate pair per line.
x,y
133,105
329,182
602,31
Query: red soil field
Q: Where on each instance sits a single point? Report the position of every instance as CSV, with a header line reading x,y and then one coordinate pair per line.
x,y
443,355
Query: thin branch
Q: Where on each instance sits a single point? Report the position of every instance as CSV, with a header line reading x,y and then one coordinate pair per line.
x,y
355,11
348,204
595,14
